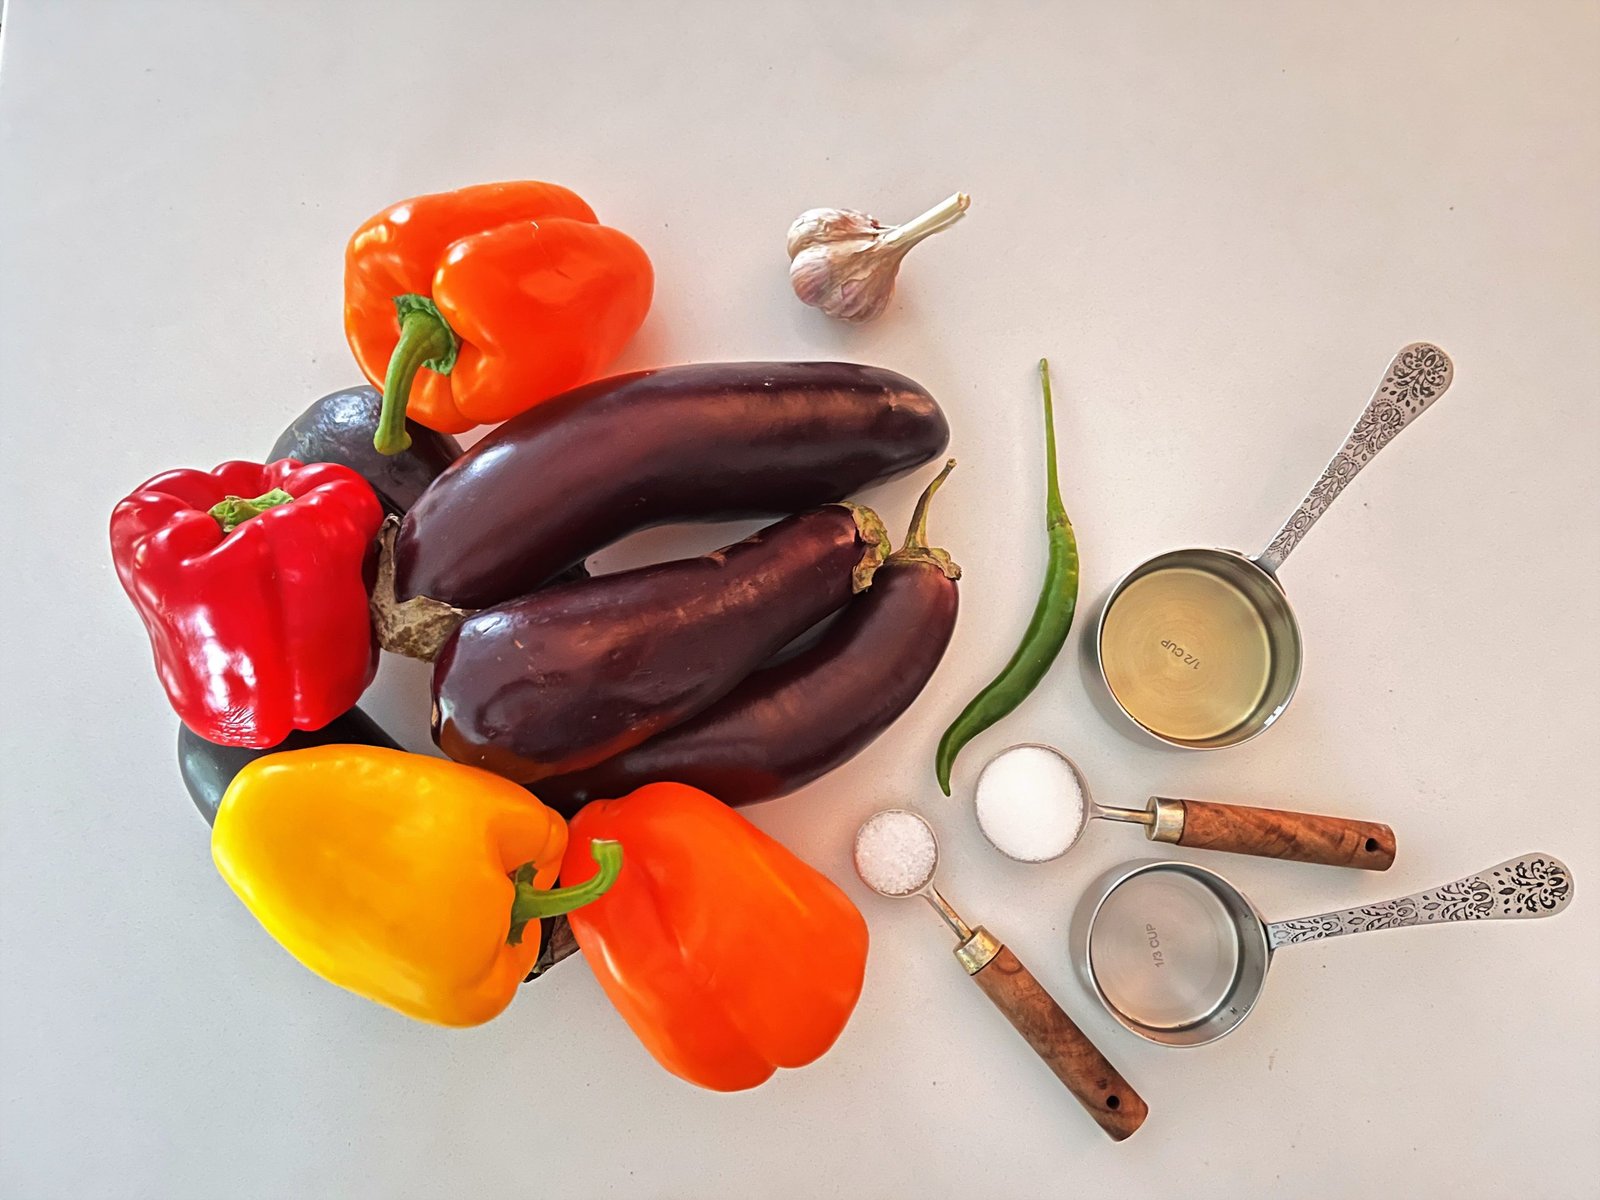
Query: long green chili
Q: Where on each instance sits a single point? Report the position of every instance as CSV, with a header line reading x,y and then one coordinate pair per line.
x,y
1047,631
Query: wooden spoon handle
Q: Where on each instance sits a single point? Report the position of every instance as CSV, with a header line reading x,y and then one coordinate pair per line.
x,y
1273,833
1099,1087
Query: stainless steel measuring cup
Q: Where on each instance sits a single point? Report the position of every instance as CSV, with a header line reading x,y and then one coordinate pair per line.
x,y
1178,955
1199,647
1198,824
1034,1013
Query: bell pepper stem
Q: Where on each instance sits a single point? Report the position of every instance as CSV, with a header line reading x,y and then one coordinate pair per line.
x,y
426,340
233,511
532,903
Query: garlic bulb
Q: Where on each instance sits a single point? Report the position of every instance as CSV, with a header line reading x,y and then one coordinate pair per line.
x,y
845,262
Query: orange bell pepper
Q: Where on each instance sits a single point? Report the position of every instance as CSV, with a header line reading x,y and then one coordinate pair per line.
x,y
469,307
727,955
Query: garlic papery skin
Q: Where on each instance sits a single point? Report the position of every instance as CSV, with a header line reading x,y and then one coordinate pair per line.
x,y
845,262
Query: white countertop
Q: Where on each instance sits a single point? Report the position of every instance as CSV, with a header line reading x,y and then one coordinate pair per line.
x,y
1219,221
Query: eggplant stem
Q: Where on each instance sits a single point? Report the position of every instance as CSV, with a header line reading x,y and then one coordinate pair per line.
x,y
917,534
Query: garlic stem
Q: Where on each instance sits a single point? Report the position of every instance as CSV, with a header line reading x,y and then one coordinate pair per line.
x,y
940,216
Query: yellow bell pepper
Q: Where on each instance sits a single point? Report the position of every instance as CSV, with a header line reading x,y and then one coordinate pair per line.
x,y
404,878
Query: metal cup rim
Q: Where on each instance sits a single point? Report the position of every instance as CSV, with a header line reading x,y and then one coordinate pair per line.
x,y
1252,731
1088,914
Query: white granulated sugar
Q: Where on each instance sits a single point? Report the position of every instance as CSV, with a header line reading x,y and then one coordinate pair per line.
x,y
895,852
1031,804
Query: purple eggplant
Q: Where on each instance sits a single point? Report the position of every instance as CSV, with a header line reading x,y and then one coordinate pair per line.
x,y
793,722
338,429
578,672
708,442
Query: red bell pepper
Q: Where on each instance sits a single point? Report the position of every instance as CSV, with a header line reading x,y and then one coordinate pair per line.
x,y
249,580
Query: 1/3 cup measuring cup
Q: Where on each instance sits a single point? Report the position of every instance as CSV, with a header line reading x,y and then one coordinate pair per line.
x,y
1199,647
1179,956
896,855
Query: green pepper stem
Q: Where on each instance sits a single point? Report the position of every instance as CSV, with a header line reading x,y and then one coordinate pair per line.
x,y
532,903
233,511
426,340
1055,510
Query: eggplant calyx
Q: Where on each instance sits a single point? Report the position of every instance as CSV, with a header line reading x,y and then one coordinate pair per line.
x,y
874,536
933,556
556,942
916,548
416,628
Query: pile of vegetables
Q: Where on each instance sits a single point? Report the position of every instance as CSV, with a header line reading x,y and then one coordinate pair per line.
x,y
599,732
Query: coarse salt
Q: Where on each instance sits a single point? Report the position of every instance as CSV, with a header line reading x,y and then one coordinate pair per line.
x,y
1031,804
895,852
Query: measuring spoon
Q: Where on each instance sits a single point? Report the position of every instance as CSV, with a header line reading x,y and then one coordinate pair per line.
x,y
896,854
1199,647
1033,805
1178,955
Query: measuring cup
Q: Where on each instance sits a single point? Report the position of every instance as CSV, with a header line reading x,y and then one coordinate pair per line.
x,y
1179,956
1057,786
1098,1086
1199,647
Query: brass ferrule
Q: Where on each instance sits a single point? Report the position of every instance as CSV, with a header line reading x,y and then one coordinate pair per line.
x,y
1167,820
978,951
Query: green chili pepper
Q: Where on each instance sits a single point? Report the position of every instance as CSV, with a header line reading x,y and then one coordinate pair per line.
x,y
1047,631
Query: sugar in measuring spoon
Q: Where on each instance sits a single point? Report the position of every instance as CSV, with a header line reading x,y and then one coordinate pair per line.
x,y
1033,805
896,854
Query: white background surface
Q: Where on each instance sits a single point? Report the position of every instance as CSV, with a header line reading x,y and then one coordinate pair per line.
x,y
1218,220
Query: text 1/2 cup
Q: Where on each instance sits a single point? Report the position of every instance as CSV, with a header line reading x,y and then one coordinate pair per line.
x,y
1199,647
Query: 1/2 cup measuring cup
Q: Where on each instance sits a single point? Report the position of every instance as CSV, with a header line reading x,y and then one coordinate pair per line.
x,y
1199,647
896,855
1179,956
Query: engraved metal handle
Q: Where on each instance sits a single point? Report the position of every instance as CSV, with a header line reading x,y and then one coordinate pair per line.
x,y
1534,885
1418,376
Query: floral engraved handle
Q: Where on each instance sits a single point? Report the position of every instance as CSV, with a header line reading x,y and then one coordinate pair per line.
x,y
1534,885
1418,376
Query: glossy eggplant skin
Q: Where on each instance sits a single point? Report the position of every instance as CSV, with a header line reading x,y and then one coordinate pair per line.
x,y
208,768
338,429
578,672
791,723
706,442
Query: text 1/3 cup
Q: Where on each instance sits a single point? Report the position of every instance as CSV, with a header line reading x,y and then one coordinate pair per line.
x,y
1179,956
